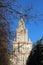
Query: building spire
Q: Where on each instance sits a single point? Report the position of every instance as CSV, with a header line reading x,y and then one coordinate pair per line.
x,y
21,21
20,11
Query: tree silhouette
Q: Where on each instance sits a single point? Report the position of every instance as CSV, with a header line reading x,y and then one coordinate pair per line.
x,y
36,55
5,34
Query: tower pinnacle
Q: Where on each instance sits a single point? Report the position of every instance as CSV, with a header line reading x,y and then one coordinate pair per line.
x,y
20,11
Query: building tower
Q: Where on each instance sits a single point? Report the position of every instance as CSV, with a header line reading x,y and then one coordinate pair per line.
x,y
21,45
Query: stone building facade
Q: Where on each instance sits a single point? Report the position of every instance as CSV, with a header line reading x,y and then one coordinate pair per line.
x,y
21,45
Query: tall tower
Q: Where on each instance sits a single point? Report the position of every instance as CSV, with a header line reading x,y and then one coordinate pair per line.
x,y
21,32
21,45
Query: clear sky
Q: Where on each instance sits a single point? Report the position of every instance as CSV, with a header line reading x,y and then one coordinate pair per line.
x,y
35,28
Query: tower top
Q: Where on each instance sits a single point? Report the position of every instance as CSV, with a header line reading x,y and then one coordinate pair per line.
x,y
21,23
20,11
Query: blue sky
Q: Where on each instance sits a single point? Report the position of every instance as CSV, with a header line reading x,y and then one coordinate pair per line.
x,y
35,28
